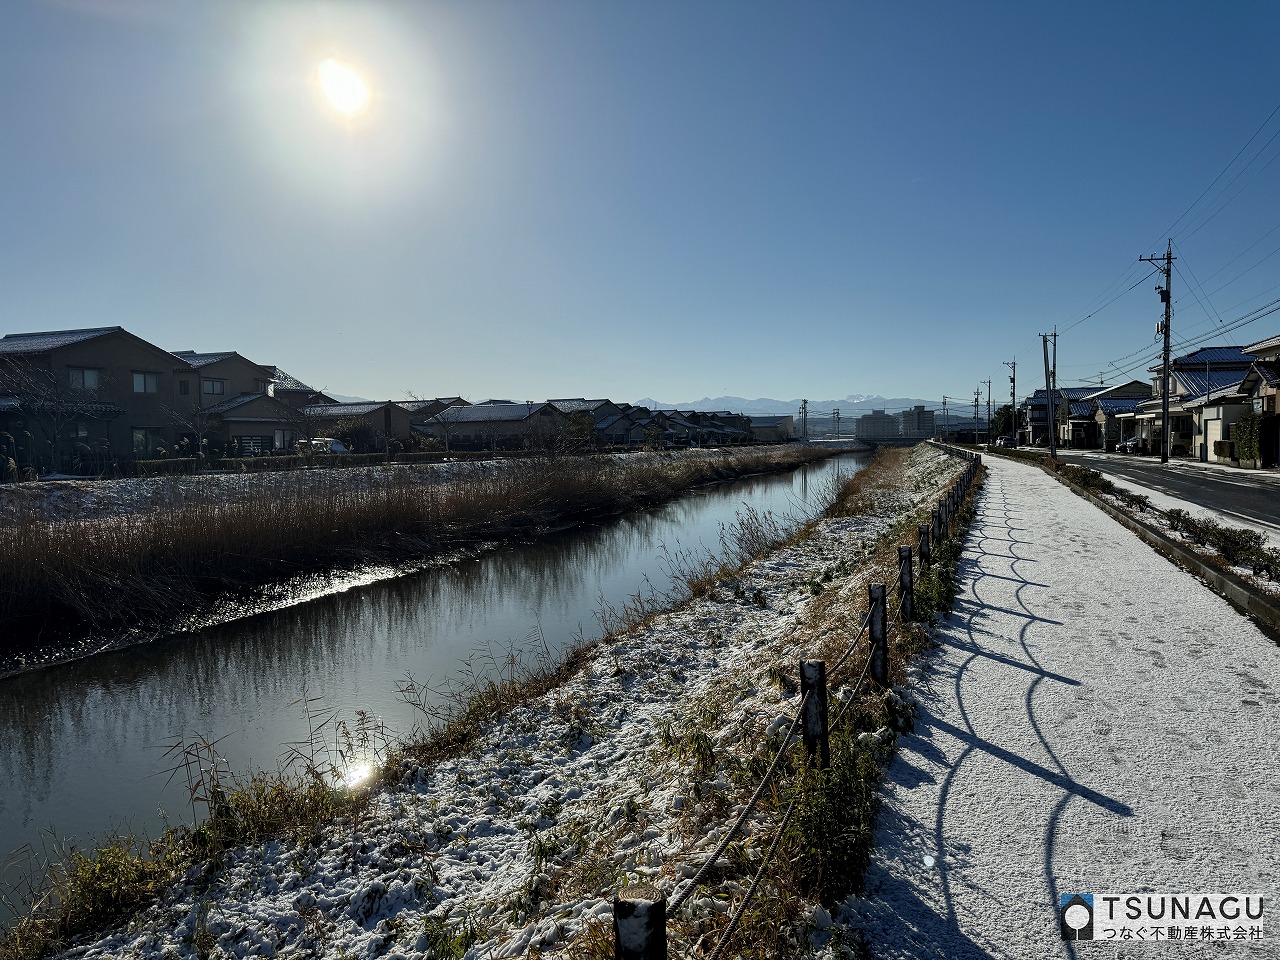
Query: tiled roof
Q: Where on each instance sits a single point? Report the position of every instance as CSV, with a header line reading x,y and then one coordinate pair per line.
x,y
413,406
285,382
1264,346
1268,372
1235,355
1195,383
49,340
1113,405
198,360
237,401
1081,408
771,421
608,422
488,412
336,411
577,405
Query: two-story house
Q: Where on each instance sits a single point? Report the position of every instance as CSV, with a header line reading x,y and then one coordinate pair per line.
x,y
93,394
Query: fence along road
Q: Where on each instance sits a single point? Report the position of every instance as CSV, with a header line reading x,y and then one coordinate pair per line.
x,y
1095,720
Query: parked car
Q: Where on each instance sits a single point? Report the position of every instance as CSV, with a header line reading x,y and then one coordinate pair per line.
x,y
322,445
1009,442
1132,445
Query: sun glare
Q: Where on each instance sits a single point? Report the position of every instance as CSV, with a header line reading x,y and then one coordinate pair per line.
x,y
343,88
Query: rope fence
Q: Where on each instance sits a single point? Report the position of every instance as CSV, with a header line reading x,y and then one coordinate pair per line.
x,y
639,913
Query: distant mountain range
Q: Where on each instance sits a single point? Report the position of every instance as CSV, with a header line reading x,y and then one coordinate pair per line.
x,y
853,405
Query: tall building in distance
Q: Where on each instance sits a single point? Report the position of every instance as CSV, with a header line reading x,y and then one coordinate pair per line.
x,y
917,423
877,425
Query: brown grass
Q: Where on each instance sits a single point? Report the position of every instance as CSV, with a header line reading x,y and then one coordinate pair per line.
x,y
163,563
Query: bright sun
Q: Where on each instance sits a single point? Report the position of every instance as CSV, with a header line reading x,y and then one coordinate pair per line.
x,y
343,88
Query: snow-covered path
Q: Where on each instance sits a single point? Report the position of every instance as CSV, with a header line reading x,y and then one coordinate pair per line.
x,y
1095,721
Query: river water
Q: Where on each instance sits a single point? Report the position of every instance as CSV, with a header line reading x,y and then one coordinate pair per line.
x,y
82,745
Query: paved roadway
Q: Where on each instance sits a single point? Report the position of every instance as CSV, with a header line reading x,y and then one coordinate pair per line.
x,y
1247,495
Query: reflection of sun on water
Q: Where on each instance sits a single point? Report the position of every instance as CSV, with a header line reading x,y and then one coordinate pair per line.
x,y
356,774
343,88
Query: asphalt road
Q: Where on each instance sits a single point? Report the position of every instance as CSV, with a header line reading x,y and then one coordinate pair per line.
x,y
1244,495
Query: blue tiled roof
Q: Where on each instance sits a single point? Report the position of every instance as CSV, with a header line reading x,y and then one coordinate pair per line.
x,y
1082,409
1197,384
1205,355
1113,405
49,340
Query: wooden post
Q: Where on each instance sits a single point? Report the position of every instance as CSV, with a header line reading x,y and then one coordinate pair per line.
x,y
936,518
924,546
639,924
813,681
879,634
906,585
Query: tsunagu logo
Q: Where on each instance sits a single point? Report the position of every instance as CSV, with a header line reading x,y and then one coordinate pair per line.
x,y
1234,917
1075,913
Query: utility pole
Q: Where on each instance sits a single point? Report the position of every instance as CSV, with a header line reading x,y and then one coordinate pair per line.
x,y
1057,397
944,418
835,418
988,383
1167,299
977,394
804,419
1048,387
1013,394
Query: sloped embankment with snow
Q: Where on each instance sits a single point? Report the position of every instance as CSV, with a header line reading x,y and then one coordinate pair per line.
x,y
519,844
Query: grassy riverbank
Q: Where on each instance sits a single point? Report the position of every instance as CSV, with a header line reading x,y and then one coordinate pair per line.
x,y
564,779
158,564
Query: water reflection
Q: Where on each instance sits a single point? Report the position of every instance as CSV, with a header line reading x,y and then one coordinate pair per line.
x,y
83,742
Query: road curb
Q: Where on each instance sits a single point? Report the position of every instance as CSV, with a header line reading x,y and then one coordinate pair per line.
x,y
1237,591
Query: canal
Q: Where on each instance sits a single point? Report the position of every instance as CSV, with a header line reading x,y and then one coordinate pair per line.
x,y
83,743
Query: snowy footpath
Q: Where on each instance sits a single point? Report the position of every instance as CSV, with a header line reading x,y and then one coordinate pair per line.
x,y
1094,720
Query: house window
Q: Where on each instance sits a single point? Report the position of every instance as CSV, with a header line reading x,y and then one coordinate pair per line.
x,y
84,378
184,387
213,387
268,387
146,382
147,442
282,440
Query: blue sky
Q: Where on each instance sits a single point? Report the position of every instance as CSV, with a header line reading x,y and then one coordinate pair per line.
x,y
639,199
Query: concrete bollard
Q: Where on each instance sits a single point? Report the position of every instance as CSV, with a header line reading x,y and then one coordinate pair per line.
x,y
639,924
813,681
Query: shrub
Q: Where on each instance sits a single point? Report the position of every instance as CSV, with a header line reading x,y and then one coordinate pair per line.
x,y
1236,545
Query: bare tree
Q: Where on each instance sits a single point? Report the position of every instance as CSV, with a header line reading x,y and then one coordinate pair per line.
x,y
55,406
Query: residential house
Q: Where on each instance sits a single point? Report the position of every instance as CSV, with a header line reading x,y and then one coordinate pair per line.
x,y
1079,426
230,403
1035,414
1261,386
426,409
497,426
370,427
772,429
82,398
1210,373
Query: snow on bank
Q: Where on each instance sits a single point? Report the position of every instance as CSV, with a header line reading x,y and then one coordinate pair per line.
x,y
1095,720
74,499
480,840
